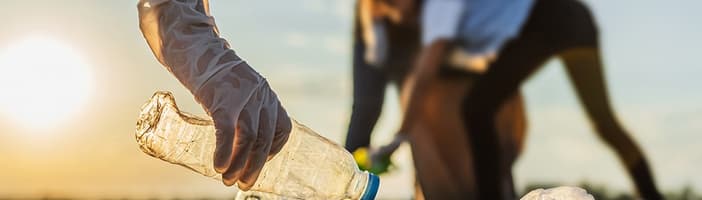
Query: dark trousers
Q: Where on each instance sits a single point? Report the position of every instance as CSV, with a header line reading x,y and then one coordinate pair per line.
x,y
369,85
370,82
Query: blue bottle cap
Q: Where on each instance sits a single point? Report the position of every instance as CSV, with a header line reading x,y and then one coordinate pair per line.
x,y
371,188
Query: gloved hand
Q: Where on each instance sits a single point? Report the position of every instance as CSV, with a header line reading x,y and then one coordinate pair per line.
x,y
251,124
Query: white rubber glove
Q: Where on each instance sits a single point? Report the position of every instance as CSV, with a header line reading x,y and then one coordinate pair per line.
x,y
251,124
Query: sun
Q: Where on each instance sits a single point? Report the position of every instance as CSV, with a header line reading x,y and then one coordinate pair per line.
x,y
43,82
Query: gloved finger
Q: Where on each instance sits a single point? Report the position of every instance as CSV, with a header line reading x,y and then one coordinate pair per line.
x,y
225,128
244,139
260,150
283,128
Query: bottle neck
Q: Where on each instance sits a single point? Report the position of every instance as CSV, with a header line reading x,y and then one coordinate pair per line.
x,y
371,187
363,186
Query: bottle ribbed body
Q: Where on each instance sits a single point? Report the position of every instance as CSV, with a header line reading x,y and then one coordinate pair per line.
x,y
308,166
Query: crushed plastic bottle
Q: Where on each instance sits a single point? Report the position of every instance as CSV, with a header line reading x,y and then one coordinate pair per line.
x,y
558,193
308,166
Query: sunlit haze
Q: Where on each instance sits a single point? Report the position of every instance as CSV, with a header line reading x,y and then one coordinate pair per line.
x,y
44,81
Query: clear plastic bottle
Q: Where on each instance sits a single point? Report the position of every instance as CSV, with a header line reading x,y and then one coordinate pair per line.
x,y
309,166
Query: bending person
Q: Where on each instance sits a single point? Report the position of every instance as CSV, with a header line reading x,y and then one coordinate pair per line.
x,y
522,35
441,157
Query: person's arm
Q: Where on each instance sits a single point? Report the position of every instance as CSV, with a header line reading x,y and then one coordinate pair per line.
x,y
373,31
425,71
439,24
250,122
366,18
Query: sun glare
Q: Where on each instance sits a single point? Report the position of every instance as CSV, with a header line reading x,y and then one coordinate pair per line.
x,y
43,82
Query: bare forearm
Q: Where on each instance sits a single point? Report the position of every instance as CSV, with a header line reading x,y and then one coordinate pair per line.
x,y
424,72
366,17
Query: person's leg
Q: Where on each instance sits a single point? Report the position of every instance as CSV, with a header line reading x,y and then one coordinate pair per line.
x,y
511,127
517,61
510,122
368,95
584,68
442,164
581,56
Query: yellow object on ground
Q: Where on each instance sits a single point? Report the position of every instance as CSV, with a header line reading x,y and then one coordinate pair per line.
x,y
376,166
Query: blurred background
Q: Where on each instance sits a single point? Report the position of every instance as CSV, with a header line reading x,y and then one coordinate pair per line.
x,y
67,126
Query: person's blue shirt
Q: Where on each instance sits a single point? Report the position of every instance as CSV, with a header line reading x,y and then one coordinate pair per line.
x,y
479,27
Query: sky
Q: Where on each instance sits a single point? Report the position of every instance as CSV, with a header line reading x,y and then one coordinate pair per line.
x,y
303,48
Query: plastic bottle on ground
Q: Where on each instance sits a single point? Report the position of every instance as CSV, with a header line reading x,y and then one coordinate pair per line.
x,y
558,193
